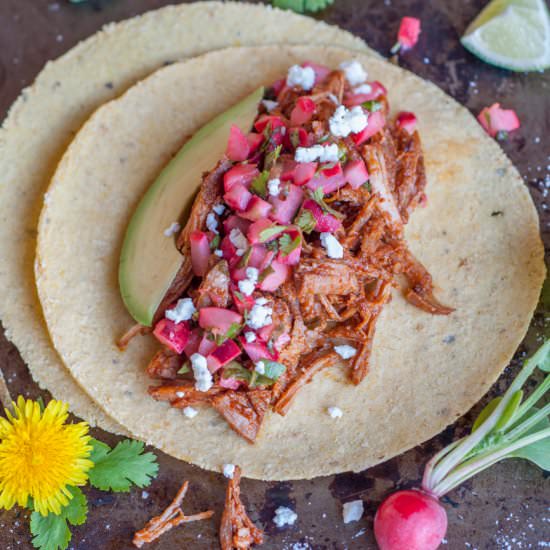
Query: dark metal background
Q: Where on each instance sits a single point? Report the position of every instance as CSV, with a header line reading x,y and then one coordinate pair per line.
x,y
506,506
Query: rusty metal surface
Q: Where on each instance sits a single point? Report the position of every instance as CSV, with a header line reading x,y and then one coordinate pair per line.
x,y
506,506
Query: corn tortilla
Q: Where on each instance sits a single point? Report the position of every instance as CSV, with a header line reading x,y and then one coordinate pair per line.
x,y
426,370
46,116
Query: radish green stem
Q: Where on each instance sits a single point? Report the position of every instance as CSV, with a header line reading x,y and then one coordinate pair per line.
x,y
532,399
529,423
432,463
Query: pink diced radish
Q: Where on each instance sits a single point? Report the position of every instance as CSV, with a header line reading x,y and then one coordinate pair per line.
x,y
298,172
294,257
257,350
238,197
238,148
230,383
229,251
174,336
407,121
494,119
235,222
238,274
321,72
222,355
376,122
356,173
274,280
267,260
206,346
302,112
257,256
192,345
242,174
296,137
281,341
325,223
217,319
257,209
265,332
255,230
377,90
285,210
242,301
329,179
278,85
263,121
409,30
200,252
254,142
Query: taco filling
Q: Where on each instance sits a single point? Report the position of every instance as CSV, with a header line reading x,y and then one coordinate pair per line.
x,y
291,249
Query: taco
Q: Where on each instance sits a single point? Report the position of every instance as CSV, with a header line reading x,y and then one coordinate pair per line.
x,y
302,258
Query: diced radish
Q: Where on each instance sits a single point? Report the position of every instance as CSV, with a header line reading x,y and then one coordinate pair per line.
x,y
254,142
242,301
407,121
175,336
222,355
257,256
274,280
193,342
285,210
265,332
494,119
238,197
267,260
238,274
298,172
235,222
257,209
377,90
410,519
263,121
255,230
238,148
356,173
376,122
206,346
278,85
293,257
200,252
408,33
325,223
321,72
217,319
302,112
329,179
230,383
257,350
229,251
296,137
242,174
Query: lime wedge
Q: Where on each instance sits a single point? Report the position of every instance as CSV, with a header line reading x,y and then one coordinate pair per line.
x,y
513,34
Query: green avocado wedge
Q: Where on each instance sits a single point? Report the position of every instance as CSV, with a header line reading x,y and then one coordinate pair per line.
x,y
149,260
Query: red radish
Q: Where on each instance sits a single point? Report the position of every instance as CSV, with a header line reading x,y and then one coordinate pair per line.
x,y
267,260
192,345
200,252
285,210
263,121
494,119
265,332
325,223
303,172
238,148
238,197
377,90
302,112
235,222
238,274
376,122
230,383
278,86
242,301
274,280
407,121
411,520
256,233
206,346
257,256
321,72
175,336
229,251
240,174
257,209
408,33
218,319
293,257
257,350
356,173
222,355
254,142
296,137
329,179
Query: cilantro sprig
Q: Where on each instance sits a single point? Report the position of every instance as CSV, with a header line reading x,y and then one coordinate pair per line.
x,y
303,6
318,197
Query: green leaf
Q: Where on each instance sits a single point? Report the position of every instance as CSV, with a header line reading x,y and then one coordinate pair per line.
x,y
265,273
270,232
486,412
184,368
237,371
509,411
367,186
542,357
123,466
52,532
99,450
271,157
273,369
318,197
215,242
232,331
288,245
372,106
305,221
302,6
243,262
539,452
259,184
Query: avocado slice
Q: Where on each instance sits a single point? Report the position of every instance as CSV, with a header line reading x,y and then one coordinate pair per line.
x,y
149,260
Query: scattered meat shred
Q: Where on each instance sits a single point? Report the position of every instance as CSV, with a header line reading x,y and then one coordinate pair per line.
x,y
323,302
237,532
130,334
170,518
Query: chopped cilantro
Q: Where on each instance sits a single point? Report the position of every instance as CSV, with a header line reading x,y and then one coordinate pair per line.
x,y
271,157
372,106
367,186
239,296
245,258
295,137
233,330
288,245
237,371
318,197
270,232
305,221
302,6
273,371
184,368
259,184
265,273
273,246
215,242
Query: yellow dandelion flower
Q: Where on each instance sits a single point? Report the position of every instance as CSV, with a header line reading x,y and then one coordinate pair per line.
x,y
40,456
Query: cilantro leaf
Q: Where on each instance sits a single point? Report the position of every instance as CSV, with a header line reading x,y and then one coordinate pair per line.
x,y
271,158
288,245
232,331
243,262
184,368
52,532
215,242
270,232
117,469
265,273
372,106
273,371
237,371
259,184
318,196
306,221
302,6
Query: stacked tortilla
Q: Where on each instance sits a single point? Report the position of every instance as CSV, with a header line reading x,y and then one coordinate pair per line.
x,y
191,63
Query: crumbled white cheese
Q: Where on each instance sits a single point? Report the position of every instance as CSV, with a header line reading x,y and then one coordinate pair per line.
x,y
219,209
334,99
218,253
332,246
252,274
269,105
284,516
345,351
260,315
212,222
363,89
182,311
261,301
172,230
330,153
190,412
180,394
304,77
247,286
352,511
250,336
273,186
259,367
228,470
346,121
355,74
238,240
335,412
203,377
